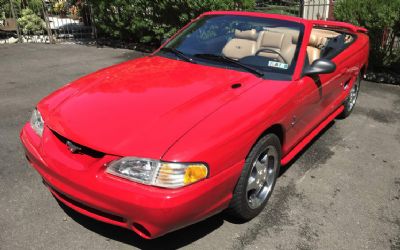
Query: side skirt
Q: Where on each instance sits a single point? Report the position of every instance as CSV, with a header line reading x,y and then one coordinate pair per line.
x,y
288,157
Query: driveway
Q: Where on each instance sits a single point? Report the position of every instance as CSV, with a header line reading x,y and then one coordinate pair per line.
x,y
342,192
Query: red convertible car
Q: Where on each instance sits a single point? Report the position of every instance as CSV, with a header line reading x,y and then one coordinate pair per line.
x,y
201,125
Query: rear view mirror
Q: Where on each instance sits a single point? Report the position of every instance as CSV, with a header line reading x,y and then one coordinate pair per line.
x,y
320,66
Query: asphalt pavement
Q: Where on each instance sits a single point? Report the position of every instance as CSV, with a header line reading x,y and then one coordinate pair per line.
x,y
341,192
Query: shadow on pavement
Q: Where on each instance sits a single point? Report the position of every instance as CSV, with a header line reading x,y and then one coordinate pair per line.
x,y
174,240
305,149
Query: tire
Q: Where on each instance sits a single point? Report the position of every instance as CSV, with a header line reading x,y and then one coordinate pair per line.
x,y
257,180
351,100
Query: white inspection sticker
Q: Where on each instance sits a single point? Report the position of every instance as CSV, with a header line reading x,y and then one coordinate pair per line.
x,y
278,65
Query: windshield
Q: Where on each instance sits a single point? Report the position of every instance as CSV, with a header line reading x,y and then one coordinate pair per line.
x,y
244,43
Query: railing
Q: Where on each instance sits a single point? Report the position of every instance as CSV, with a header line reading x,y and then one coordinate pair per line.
x,y
46,21
309,9
292,8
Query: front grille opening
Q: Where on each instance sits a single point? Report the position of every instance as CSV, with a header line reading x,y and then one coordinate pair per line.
x,y
84,150
87,208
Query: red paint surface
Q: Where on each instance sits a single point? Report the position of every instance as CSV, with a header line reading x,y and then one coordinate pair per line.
x,y
171,110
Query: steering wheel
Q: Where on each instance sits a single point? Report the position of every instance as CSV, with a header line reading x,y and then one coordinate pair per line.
x,y
272,51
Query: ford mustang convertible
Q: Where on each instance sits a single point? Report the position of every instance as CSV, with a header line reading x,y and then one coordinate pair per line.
x,y
201,125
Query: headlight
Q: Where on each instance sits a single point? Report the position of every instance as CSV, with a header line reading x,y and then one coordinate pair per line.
x,y
37,123
157,173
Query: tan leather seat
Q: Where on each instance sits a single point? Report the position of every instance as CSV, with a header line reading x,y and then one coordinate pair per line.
x,y
318,39
324,33
313,50
285,30
243,44
279,42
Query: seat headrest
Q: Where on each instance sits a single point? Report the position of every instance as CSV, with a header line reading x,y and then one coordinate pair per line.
x,y
316,40
319,37
246,34
292,32
275,40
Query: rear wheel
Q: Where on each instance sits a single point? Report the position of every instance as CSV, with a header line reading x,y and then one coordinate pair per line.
x,y
257,180
351,100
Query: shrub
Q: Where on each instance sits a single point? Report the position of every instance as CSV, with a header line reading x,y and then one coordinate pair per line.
x,y
60,7
382,19
30,23
150,21
35,5
5,10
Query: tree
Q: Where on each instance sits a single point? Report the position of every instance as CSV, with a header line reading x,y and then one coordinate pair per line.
x,y
382,19
150,21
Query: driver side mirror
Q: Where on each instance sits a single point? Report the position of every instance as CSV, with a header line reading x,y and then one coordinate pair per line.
x,y
320,66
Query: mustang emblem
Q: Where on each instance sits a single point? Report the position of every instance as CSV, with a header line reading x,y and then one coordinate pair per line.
x,y
72,147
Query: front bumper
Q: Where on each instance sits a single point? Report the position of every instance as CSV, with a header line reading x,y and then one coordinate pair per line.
x,y
82,184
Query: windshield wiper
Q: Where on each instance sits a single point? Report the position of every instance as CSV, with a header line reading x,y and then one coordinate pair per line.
x,y
178,53
230,60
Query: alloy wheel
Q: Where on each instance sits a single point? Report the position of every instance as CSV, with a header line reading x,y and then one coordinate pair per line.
x,y
262,177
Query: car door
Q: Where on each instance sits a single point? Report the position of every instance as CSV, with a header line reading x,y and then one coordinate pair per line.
x,y
348,66
336,83
306,107
331,88
315,96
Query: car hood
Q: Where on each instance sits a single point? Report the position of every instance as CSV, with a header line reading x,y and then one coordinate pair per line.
x,y
140,107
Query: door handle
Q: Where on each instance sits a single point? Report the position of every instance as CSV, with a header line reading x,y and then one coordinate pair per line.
x,y
345,84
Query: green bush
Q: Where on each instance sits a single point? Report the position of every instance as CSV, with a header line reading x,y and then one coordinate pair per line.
x,y
150,21
382,19
5,7
30,23
35,5
5,10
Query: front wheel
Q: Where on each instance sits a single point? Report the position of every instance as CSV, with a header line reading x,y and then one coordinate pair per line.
x,y
257,180
351,100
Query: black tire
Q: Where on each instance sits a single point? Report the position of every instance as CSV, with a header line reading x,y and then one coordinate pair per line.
x,y
348,103
240,206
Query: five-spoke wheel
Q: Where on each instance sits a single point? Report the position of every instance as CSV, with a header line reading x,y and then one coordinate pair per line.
x,y
262,177
258,178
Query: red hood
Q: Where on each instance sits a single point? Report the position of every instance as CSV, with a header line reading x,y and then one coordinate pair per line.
x,y
140,107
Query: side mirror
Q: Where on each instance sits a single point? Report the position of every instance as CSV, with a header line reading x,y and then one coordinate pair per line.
x,y
320,66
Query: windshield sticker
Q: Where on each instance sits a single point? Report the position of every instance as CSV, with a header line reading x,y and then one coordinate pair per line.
x,y
278,65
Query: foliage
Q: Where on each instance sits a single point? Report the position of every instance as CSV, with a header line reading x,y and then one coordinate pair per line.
x,y
30,23
71,8
35,5
382,19
74,11
150,21
5,9
60,7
